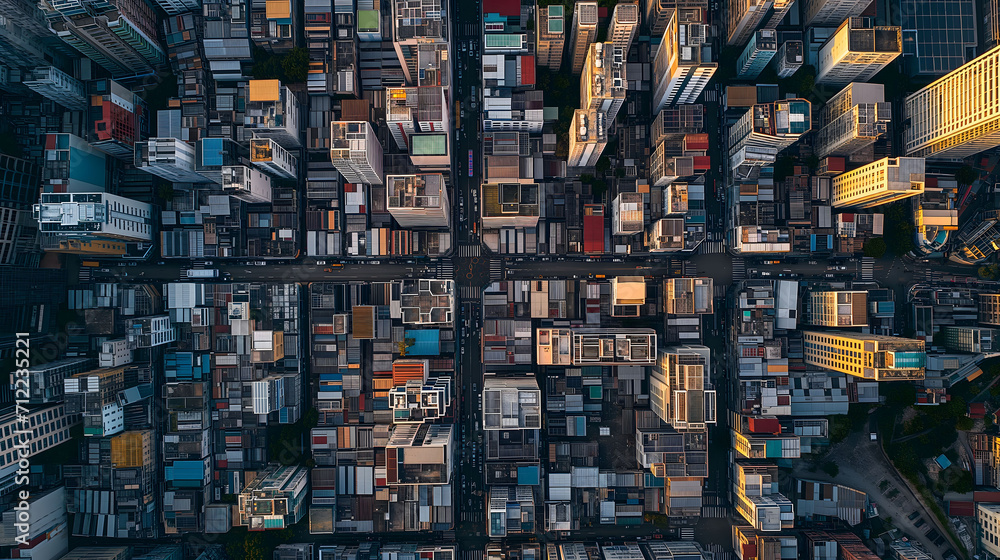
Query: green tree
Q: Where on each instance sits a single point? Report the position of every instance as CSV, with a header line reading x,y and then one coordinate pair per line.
x,y
989,271
964,423
603,165
875,247
966,175
899,227
831,469
295,65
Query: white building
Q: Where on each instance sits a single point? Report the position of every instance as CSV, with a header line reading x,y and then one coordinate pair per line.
x,y
168,158
852,119
272,111
149,332
115,353
52,83
268,155
418,200
958,115
418,25
627,218
682,67
988,518
879,182
94,216
743,18
511,403
857,51
356,152
775,125
246,183
830,13
410,110
588,137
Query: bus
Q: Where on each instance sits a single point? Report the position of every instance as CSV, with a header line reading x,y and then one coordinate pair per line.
x,y
458,115
91,263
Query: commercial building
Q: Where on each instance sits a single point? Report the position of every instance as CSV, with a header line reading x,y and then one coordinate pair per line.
x,y
94,394
755,487
420,400
628,295
356,152
588,137
426,301
988,519
977,340
831,13
418,201
659,12
869,356
789,58
49,426
118,119
420,454
97,223
511,403
550,36
857,51
683,63
838,309
879,182
603,84
775,126
626,214
757,55
854,129
275,499
272,111
674,123
953,118
624,25
52,83
940,35
989,309
421,34
48,532
168,158
510,205
45,382
270,156
412,110
584,32
687,296
246,183
680,388
149,332
599,347
666,235
744,17
72,165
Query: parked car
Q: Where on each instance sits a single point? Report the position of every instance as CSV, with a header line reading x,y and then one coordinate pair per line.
x,y
913,515
920,523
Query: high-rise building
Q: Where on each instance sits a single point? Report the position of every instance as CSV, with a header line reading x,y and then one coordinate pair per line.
x,y
857,51
628,295
683,63
624,25
829,13
92,222
120,35
945,29
510,205
659,12
25,38
119,118
412,110
588,137
272,111
169,158
550,30
420,30
852,119
989,309
757,55
755,487
977,340
838,309
879,182
688,296
276,499
991,23
673,123
246,183
584,33
20,183
418,200
602,84
779,10
789,59
956,116
775,126
988,518
50,419
46,381
94,394
626,214
680,388
270,156
869,356
52,83
226,38
743,18
176,7
356,152
664,169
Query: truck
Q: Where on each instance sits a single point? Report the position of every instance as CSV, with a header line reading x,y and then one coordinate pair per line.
x,y
203,273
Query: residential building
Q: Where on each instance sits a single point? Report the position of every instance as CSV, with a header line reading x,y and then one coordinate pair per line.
x,y
268,155
177,7
45,382
626,214
989,309
674,550
52,83
115,353
584,33
940,36
683,62
951,118
604,347
869,356
427,301
779,10
757,55
664,169
246,183
659,12
680,388
744,17
356,152
510,205
831,13
775,126
420,454
904,550
848,128
226,38
418,400
602,84
272,111
121,35
149,332
550,36
94,394
879,182
857,51
421,32
118,117
49,426
628,295
789,58
98,223
275,499
411,110
687,296
511,403
988,519
418,201
624,25
588,137
168,158
72,165
755,487
977,340
666,234
838,309
674,123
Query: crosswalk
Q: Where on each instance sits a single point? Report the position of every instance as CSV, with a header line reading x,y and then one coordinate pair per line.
x,y
712,247
473,517
496,270
470,29
739,269
472,554
711,96
718,553
687,533
85,275
714,512
867,268
690,269
445,270
469,250
470,292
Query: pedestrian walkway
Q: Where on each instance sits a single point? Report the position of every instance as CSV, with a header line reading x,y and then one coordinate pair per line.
x,y
867,269
469,250
470,292
470,29
446,270
712,247
739,269
496,270
687,533
690,269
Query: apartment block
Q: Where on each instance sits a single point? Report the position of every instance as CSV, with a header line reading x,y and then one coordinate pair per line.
x,y
272,111
418,201
857,51
686,296
989,309
624,25
673,123
680,388
426,301
168,158
413,110
755,487
666,235
744,17
876,357
550,36
584,32
94,394
52,83
420,454
246,183
588,137
977,340
511,403
789,58
356,152
775,126
830,13
510,205
275,499
418,400
583,346
659,12
46,380
683,62
421,32
763,46
149,332
118,119
880,182
74,219
49,427
628,295
838,309
270,156
626,214
602,83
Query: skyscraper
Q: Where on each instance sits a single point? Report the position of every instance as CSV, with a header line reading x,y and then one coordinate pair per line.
x,y
588,137
658,12
418,200
869,356
602,84
771,125
853,118
680,388
880,182
857,51
744,17
958,115
169,158
789,59
52,83
418,26
550,32
838,309
831,12
683,63
760,50
356,152
624,25
583,33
